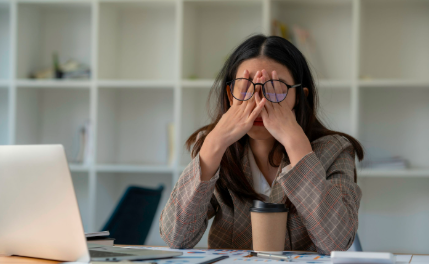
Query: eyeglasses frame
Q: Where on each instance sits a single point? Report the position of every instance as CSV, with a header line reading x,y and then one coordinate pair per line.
x,y
263,88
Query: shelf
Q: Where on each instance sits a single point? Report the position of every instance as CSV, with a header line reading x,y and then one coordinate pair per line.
x,y
4,117
134,168
391,47
125,28
46,27
393,83
133,125
51,116
199,83
75,167
4,40
211,31
369,173
164,84
334,84
53,83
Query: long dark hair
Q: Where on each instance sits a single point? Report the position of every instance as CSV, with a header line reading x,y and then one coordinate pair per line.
x,y
232,176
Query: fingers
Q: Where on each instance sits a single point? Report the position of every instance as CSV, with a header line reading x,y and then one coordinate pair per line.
x,y
257,110
240,90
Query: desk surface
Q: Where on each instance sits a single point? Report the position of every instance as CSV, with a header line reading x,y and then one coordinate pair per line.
x,y
25,260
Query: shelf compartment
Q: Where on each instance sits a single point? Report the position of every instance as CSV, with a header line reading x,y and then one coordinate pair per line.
x,y
329,24
44,28
335,109
133,126
4,117
81,188
131,47
211,31
394,40
52,116
399,128
194,116
111,187
4,40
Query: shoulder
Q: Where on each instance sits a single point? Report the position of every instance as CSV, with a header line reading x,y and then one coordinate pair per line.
x,y
329,148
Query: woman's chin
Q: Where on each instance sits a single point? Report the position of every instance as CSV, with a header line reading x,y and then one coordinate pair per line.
x,y
259,133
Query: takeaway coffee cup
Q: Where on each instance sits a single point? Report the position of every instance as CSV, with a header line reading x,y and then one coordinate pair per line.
x,y
268,226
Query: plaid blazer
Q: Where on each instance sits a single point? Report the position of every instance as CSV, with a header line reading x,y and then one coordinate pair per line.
x,y
320,190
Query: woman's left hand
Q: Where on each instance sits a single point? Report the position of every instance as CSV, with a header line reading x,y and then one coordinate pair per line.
x,y
280,120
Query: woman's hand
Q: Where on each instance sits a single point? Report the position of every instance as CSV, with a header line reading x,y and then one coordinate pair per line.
x,y
281,122
233,125
239,118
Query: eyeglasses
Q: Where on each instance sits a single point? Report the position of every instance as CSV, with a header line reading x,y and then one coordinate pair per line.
x,y
275,91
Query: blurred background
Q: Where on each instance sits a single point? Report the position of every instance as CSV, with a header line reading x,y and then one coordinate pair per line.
x,y
123,83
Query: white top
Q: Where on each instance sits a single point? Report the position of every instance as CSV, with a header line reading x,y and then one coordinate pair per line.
x,y
260,184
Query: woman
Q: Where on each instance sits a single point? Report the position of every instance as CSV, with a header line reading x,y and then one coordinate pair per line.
x,y
266,143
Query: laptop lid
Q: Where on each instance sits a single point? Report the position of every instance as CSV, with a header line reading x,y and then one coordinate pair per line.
x,y
40,217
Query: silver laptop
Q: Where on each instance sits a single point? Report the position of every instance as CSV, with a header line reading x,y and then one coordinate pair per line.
x,y
39,212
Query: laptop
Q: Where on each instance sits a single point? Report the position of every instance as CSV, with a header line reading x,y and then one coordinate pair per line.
x,y
39,212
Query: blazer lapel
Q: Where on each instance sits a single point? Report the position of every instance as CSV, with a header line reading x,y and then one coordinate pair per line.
x,y
277,194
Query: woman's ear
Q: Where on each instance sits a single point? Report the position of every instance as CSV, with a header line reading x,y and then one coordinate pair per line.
x,y
228,92
306,91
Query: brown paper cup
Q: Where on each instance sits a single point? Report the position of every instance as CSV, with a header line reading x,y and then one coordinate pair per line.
x,y
268,226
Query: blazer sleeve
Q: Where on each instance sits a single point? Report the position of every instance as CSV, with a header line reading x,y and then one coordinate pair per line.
x,y
326,199
192,203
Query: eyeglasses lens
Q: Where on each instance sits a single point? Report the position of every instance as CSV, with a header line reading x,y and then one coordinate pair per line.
x,y
242,89
275,91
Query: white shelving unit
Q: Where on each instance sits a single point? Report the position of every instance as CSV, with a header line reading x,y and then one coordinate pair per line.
x,y
153,63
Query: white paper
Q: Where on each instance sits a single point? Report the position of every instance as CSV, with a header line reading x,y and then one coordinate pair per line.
x,y
403,258
241,256
417,258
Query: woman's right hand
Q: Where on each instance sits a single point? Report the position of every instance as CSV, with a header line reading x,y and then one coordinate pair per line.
x,y
239,118
233,125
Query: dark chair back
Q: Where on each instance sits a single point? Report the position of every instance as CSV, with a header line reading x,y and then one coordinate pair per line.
x,y
133,216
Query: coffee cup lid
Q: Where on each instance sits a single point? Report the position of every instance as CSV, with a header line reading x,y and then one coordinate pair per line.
x,y
261,207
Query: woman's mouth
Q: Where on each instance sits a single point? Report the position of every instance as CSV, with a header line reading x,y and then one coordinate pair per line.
x,y
258,122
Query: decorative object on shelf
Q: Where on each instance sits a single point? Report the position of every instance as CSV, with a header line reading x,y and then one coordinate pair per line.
x,y
390,163
71,69
57,69
171,143
83,152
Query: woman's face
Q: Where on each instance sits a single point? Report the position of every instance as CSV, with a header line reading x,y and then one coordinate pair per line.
x,y
258,131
